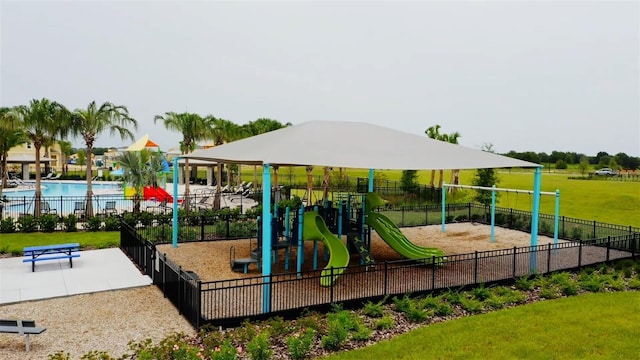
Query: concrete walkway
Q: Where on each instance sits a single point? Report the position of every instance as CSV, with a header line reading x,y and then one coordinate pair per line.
x,y
93,271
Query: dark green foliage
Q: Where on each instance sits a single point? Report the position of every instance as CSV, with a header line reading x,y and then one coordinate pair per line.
x,y
258,348
481,293
402,304
487,178
93,224
157,234
524,283
48,222
373,309
299,344
7,226
111,224
409,181
70,223
576,233
336,335
386,322
471,305
28,224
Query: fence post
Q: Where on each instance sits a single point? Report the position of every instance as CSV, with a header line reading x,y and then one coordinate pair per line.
x,y
198,304
331,289
469,209
386,278
608,247
548,258
564,235
180,290
402,210
515,250
580,255
426,214
433,273
475,268
594,229
164,274
227,235
201,227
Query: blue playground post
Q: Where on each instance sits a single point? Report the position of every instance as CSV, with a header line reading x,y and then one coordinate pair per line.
x,y
493,213
174,233
534,220
371,177
340,220
444,201
266,237
287,226
300,241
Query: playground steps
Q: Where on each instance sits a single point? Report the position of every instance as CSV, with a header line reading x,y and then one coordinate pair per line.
x,y
358,245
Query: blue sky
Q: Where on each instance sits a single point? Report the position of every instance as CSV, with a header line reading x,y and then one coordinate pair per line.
x,y
519,75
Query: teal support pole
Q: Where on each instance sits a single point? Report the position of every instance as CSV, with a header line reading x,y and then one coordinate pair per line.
x,y
534,220
556,219
274,259
444,201
340,221
371,177
300,241
493,213
174,233
266,237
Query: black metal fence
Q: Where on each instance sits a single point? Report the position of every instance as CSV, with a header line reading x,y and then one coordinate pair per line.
x,y
228,302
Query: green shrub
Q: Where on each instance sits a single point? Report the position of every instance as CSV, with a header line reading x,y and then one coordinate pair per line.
x,y
362,333
258,348
28,223
387,322
550,292
417,315
453,297
59,355
7,225
634,284
481,293
471,305
277,326
111,224
48,222
569,288
402,304
335,337
187,234
299,344
495,302
374,310
97,355
576,233
245,333
226,351
430,302
310,320
93,224
444,309
70,223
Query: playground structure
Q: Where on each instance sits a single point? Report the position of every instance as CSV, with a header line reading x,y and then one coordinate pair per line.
x,y
493,190
330,225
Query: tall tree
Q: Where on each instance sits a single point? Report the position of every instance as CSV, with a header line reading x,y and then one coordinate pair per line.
x,y
41,120
455,173
193,128
485,178
140,168
66,150
89,123
11,135
433,132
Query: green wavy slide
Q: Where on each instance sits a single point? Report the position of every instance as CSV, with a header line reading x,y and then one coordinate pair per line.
x,y
314,228
392,235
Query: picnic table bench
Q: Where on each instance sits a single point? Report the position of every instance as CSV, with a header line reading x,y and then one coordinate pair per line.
x,y
20,327
50,252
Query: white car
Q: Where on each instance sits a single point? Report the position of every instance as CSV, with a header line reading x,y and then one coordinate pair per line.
x,y
606,172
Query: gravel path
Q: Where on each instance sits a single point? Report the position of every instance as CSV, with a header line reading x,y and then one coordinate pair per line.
x,y
104,321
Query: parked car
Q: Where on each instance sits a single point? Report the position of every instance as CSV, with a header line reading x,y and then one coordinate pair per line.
x,y
606,172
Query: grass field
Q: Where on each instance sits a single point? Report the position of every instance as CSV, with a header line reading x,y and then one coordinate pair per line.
x,y
14,243
568,328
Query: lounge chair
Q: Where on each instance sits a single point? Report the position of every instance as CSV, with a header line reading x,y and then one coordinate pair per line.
x,y
164,207
56,177
110,208
80,209
45,208
49,176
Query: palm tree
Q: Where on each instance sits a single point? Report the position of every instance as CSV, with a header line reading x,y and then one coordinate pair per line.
x,y
193,128
66,150
41,120
89,123
10,136
141,168
433,132
455,174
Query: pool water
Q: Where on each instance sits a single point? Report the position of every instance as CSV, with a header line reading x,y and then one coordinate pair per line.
x,y
56,189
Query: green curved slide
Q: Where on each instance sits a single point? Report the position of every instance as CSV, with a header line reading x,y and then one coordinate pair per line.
x,y
392,235
314,228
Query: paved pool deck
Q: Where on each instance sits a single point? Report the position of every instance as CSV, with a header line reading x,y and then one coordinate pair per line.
x,y
93,271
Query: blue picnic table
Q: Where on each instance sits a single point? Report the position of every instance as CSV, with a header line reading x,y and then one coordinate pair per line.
x,y
50,252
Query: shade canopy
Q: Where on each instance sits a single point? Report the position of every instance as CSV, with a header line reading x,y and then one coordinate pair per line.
x,y
143,143
353,145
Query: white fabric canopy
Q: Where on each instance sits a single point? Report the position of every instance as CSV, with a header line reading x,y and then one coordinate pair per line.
x,y
353,145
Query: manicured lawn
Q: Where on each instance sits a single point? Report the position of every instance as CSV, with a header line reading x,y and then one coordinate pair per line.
x,y
603,326
14,243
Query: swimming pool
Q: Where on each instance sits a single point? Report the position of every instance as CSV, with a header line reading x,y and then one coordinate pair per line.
x,y
67,188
